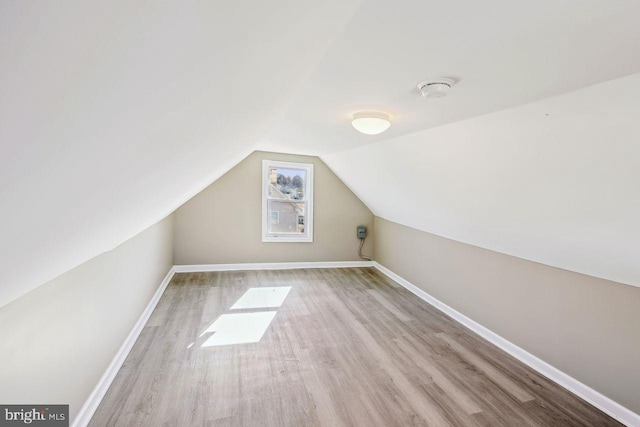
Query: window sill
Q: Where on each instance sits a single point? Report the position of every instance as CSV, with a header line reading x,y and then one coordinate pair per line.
x,y
273,239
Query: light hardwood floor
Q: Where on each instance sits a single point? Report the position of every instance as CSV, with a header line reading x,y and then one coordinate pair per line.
x,y
348,347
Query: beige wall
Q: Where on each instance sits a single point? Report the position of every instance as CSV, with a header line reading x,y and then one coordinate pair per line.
x,y
59,339
223,223
588,328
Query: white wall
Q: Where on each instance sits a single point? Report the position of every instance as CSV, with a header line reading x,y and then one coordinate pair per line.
x,y
555,181
58,340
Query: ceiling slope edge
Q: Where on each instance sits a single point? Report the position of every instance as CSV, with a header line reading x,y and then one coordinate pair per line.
x,y
551,181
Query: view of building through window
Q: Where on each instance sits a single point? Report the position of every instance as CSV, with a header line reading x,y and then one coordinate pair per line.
x,y
286,202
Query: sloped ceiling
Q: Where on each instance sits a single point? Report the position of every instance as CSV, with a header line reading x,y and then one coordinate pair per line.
x,y
113,114
556,181
502,53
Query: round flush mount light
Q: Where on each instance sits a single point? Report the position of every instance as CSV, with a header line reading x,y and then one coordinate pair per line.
x,y
437,88
370,122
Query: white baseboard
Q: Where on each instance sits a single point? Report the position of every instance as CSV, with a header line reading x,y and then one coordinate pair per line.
x,y
581,390
96,396
94,399
270,266
600,401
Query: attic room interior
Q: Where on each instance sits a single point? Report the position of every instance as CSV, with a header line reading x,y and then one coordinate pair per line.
x,y
336,213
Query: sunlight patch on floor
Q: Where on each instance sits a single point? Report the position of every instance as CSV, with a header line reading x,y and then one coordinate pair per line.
x,y
239,328
262,298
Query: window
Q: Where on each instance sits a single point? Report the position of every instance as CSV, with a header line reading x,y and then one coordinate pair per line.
x,y
287,201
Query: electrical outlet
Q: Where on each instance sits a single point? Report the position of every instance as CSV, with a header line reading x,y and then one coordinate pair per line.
x,y
361,232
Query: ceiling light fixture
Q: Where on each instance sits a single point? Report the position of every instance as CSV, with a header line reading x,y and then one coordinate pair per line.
x,y
370,123
437,88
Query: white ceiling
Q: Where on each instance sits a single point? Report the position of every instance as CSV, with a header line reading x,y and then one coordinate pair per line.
x,y
113,114
504,53
555,181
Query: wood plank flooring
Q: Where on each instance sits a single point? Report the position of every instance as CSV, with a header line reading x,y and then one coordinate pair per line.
x,y
348,347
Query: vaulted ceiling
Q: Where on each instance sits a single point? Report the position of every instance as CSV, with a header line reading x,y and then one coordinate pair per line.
x,y
113,114
502,53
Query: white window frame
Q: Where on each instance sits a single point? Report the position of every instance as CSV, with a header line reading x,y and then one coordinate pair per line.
x,y
308,203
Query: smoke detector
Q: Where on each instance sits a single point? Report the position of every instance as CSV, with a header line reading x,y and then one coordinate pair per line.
x,y
437,88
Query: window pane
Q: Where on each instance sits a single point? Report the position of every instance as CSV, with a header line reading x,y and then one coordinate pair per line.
x,y
286,217
287,183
